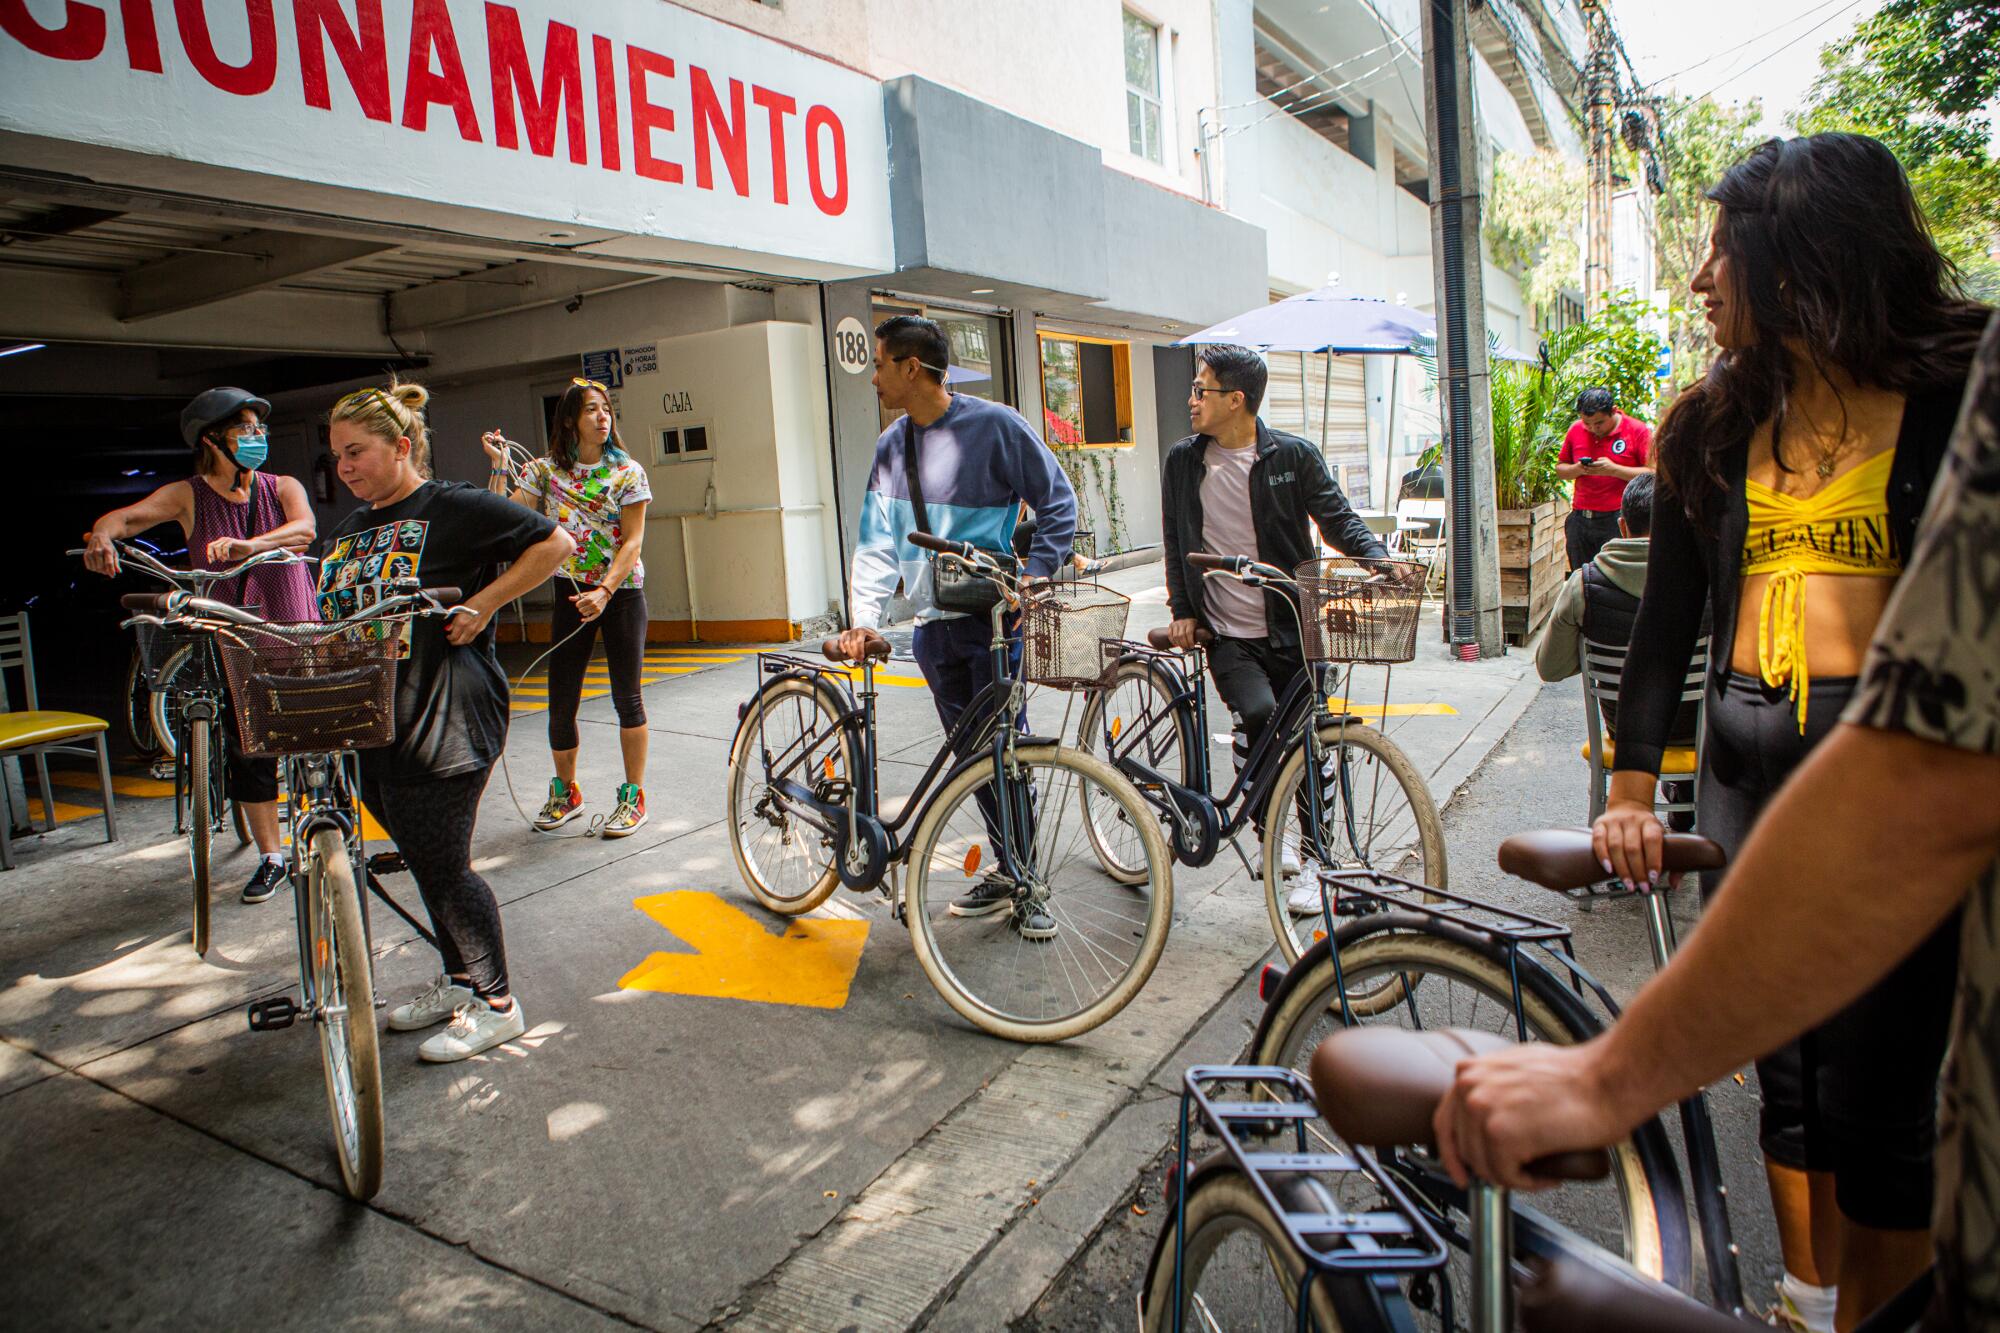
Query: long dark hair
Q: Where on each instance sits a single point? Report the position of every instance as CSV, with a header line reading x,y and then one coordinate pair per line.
x,y
563,433
1828,252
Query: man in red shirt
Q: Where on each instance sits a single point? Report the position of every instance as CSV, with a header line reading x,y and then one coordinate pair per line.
x,y
1603,450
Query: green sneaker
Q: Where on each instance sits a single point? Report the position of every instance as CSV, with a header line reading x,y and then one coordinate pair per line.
x,y
631,811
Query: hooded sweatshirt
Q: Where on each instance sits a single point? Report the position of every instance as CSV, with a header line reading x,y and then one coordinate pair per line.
x,y
1623,561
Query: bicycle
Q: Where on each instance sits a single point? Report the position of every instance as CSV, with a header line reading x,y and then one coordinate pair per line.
x,y
1342,1238
1070,948
1457,962
1149,718
313,694
182,680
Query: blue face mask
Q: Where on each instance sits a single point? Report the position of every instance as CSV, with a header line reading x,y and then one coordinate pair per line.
x,y
252,449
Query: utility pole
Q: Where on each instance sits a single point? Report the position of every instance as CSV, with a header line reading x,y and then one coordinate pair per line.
x,y
1472,614
1603,90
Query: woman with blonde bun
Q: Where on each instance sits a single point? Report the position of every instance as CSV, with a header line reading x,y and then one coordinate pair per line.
x,y
451,695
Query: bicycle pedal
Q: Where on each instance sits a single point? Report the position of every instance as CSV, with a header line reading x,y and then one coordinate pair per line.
x,y
280,1011
387,863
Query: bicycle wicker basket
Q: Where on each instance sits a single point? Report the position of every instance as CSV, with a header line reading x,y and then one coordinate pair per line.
x,y
1360,610
173,659
1062,625
303,689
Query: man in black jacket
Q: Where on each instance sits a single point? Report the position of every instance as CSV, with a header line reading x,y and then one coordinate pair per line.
x,y
1237,487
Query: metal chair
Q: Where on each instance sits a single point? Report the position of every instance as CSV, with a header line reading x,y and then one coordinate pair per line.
x,y
1603,665
36,733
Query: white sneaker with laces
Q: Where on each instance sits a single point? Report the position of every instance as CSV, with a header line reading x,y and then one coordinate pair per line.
x,y
475,1026
431,1005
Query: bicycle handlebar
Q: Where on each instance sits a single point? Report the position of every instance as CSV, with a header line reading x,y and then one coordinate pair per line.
x,y
878,649
1236,566
1159,638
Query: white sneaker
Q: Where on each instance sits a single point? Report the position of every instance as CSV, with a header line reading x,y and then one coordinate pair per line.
x,y
1304,900
431,1006
475,1026
1288,863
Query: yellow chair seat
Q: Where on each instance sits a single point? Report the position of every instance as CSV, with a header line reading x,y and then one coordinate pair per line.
x,y
46,728
1678,761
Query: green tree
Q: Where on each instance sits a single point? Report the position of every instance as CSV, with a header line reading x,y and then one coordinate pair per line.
x,y
1534,226
1921,76
1699,140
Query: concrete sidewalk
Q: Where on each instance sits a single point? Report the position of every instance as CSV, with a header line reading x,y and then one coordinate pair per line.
x,y
750,1156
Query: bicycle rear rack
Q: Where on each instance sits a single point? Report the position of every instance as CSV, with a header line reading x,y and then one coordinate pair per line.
x,y
1390,1237
1508,926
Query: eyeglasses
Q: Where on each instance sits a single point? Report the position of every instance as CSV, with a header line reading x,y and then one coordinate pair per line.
x,y
582,383
1202,390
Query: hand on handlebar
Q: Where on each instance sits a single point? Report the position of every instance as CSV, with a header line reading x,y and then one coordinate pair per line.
x,y
100,555
231,549
852,645
1524,1103
465,624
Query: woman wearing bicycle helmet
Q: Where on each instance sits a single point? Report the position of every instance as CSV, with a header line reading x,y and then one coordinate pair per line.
x,y
230,511
1791,478
598,493
451,695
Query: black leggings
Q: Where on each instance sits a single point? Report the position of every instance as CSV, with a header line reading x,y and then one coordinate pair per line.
x,y
431,822
1856,1095
624,622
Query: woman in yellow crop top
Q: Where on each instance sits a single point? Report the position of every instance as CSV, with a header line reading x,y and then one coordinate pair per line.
x,y
1791,479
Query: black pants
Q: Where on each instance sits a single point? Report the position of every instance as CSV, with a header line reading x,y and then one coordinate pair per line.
x,y
1857,1095
624,625
245,777
956,657
1585,531
431,821
1252,676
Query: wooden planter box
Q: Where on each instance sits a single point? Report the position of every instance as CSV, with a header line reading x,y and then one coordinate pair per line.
x,y
1534,560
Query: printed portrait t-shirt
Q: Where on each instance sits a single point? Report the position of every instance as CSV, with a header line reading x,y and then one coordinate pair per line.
x,y
1629,444
588,501
451,702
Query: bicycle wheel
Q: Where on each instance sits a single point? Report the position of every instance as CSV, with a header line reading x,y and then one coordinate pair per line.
x,y
1129,717
201,791
1240,1271
1452,977
1375,813
791,732
164,734
996,967
138,711
338,949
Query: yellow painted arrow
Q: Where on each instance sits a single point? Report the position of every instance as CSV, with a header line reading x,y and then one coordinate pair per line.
x,y
811,964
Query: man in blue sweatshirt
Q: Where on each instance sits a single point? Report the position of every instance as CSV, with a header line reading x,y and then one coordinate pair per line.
x,y
977,462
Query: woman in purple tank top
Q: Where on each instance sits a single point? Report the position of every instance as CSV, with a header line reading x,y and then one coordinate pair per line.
x,y
230,511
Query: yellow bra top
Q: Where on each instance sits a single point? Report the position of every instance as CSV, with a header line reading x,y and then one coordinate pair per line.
x,y
1844,529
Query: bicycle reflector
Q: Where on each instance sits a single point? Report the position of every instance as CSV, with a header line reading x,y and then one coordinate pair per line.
x,y
1269,980
1117,725
972,859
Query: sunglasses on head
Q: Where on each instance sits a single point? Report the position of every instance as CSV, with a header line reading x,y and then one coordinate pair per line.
x,y
582,383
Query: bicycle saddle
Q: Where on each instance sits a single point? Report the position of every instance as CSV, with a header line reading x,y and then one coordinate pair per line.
x,y
1571,1295
1379,1087
1563,859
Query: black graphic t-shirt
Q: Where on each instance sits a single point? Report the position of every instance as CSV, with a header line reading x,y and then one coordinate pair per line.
x,y
451,702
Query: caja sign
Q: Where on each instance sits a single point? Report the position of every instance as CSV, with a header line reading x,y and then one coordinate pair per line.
x,y
629,115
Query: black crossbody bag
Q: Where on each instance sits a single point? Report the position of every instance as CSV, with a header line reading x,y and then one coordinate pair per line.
x,y
953,586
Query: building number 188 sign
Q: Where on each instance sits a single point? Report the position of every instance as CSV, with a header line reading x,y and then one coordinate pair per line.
x,y
851,346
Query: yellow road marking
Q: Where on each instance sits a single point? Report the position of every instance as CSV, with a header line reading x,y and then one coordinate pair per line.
x,y
886,678
1432,709
65,811
811,964
121,784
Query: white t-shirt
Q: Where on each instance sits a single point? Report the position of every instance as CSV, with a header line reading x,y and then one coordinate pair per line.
x,y
1227,529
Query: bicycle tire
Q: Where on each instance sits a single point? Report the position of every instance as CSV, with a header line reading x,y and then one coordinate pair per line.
x,y
1647,1181
163,703
201,827
338,949
138,712
1221,1202
1117,860
1157,892
1280,808
800,692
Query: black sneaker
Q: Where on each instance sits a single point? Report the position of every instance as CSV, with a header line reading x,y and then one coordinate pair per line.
x,y
994,894
1035,924
270,874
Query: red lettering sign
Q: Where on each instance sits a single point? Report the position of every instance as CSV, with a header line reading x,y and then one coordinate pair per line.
x,y
248,79
142,36
562,85
363,55
831,202
729,133
430,30
81,36
605,65
648,116
777,106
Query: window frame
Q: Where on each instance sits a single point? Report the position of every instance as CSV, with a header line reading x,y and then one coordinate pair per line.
x,y
1155,96
1121,370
